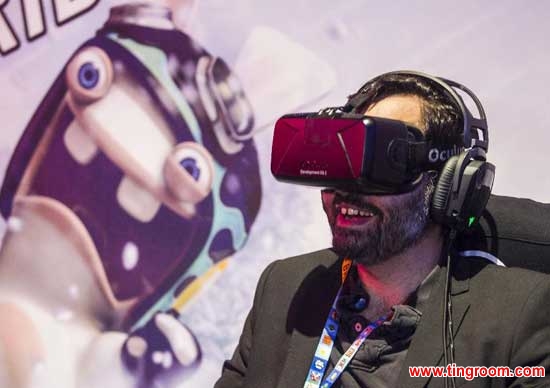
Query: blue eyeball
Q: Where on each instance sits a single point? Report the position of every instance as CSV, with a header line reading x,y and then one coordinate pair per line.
x,y
190,165
189,172
88,75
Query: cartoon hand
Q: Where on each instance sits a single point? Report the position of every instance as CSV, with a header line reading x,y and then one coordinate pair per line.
x,y
164,345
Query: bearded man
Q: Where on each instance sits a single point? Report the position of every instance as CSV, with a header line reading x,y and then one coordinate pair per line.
x,y
395,286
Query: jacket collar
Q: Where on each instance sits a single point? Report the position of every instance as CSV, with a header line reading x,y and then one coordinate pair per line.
x,y
426,348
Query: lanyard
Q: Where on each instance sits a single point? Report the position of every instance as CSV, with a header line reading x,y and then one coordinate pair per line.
x,y
326,343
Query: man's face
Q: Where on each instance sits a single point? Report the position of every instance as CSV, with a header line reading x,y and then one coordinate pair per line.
x,y
373,228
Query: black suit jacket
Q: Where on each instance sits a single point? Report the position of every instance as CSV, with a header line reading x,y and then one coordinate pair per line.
x,y
501,317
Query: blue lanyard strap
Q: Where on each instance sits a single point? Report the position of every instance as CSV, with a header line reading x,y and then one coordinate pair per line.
x,y
320,360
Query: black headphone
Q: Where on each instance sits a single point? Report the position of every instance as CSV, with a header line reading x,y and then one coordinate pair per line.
x,y
466,180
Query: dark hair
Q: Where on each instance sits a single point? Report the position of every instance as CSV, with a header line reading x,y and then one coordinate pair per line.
x,y
442,118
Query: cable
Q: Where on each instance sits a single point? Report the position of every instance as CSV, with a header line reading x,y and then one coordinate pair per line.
x,y
447,321
444,318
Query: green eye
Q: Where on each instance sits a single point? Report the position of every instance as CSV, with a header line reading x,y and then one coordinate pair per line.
x,y
471,220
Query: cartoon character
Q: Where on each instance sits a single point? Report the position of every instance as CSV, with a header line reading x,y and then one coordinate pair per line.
x,y
136,178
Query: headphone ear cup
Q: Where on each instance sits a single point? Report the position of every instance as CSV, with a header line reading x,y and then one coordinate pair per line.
x,y
442,190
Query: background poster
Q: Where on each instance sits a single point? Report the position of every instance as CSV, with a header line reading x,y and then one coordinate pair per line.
x,y
303,55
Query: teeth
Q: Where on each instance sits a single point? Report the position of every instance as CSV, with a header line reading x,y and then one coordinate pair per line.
x,y
355,212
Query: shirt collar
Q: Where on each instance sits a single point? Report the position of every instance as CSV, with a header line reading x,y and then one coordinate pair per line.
x,y
354,299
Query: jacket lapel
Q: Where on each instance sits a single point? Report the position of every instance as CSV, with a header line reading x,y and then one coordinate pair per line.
x,y
314,300
426,348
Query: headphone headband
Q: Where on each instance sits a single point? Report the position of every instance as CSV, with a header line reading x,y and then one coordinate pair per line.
x,y
472,125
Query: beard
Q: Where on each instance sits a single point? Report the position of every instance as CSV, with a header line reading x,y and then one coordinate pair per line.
x,y
400,225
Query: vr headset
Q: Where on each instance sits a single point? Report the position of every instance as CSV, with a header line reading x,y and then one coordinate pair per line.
x,y
352,152
339,148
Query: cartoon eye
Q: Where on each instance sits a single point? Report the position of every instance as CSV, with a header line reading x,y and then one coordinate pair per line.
x,y
89,74
189,171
